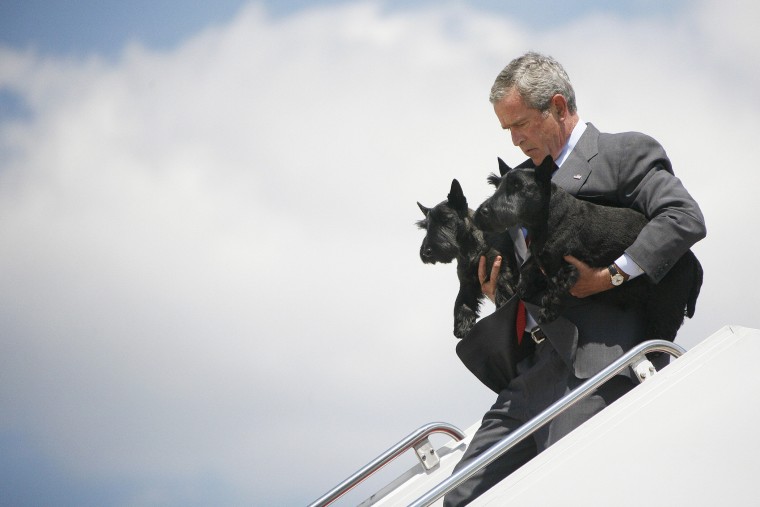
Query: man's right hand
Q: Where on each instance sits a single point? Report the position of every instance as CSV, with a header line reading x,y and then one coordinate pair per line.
x,y
489,287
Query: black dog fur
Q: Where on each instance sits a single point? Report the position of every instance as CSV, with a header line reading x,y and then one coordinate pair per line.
x,y
451,234
559,224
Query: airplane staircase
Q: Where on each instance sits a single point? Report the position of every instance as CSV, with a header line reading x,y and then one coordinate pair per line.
x,y
686,436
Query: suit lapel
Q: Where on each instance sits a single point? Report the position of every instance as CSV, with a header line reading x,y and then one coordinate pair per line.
x,y
576,169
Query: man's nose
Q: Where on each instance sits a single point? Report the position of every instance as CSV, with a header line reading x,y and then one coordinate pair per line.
x,y
517,138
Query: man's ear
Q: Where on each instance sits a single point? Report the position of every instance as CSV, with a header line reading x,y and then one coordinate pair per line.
x,y
456,197
545,170
503,167
559,103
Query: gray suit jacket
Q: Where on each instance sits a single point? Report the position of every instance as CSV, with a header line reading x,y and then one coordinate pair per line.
x,y
626,170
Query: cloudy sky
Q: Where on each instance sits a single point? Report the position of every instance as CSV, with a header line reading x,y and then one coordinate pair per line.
x,y
211,289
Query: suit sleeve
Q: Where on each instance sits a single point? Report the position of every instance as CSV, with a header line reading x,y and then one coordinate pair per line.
x,y
646,182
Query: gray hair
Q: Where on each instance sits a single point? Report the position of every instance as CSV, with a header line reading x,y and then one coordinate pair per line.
x,y
537,79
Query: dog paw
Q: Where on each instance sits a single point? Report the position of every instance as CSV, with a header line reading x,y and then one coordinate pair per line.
x,y
549,310
546,315
503,295
463,321
522,289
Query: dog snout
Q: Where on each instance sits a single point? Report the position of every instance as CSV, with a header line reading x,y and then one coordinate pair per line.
x,y
426,252
482,217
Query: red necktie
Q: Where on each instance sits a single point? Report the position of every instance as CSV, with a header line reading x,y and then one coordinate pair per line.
x,y
520,321
522,316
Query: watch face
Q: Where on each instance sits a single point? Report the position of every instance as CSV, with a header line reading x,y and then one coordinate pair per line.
x,y
617,279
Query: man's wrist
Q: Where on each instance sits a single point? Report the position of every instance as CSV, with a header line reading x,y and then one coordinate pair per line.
x,y
617,275
628,266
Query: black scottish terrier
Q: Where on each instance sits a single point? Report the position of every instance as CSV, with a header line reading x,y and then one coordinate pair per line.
x,y
559,224
452,234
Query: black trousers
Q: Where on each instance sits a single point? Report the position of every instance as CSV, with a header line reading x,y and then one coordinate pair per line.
x,y
542,379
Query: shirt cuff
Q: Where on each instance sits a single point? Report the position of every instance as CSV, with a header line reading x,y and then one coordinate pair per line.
x,y
630,268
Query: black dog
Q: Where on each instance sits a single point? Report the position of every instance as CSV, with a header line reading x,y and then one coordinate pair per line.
x,y
451,234
559,224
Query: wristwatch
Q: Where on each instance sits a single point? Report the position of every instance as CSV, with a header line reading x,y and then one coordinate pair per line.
x,y
617,277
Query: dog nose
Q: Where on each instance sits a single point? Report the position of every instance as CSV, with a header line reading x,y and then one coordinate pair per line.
x,y
427,252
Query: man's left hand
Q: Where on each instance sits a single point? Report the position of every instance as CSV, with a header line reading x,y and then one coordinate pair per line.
x,y
590,280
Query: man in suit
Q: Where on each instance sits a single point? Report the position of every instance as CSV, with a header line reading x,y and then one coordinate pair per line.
x,y
535,102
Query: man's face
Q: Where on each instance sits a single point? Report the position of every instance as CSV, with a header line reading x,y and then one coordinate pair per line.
x,y
535,133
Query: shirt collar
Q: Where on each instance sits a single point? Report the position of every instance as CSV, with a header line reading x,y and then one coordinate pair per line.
x,y
576,134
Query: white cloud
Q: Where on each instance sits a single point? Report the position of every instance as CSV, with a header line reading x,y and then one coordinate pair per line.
x,y
212,250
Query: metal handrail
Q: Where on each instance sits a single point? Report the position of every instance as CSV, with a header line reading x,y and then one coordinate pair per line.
x,y
544,417
373,466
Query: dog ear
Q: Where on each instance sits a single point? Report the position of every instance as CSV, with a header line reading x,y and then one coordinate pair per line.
x,y
545,170
456,197
494,180
503,167
425,210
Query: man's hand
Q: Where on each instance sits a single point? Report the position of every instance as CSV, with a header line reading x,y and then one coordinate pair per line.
x,y
489,288
590,280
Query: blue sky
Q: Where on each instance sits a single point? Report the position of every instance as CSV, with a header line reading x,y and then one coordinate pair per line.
x,y
208,219
83,28
103,27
